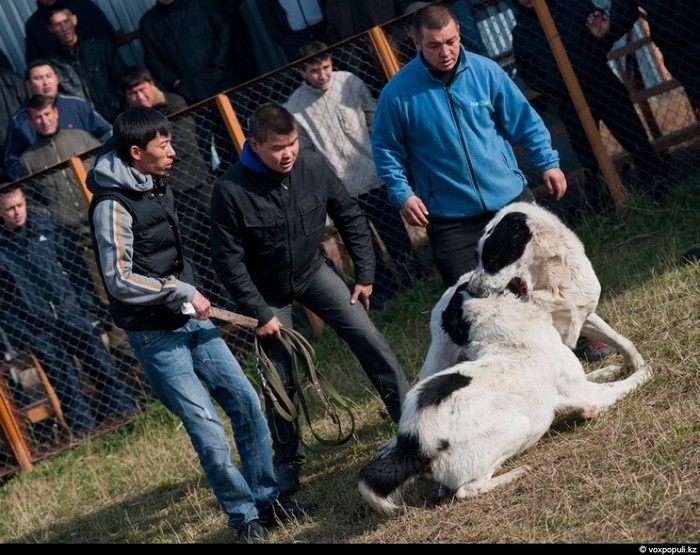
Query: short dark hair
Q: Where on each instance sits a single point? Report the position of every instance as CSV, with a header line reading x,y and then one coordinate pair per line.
x,y
138,126
433,16
36,63
271,119
314,47
9,186
41,101
133,76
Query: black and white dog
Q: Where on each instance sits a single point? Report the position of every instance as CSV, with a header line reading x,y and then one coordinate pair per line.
x,y
529,251
458,426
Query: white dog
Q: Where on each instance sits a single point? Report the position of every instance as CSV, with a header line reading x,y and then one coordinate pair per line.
x,y
460,425
529,251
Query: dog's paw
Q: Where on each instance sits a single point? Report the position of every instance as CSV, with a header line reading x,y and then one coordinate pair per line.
x,y
605,373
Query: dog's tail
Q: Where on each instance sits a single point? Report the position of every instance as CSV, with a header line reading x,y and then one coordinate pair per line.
x,y
381,479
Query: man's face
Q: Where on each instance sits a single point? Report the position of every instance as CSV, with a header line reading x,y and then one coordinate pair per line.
x,y
278,152
440,48
157,158
141,95
43,80
62,24
13,209
318,74
44,120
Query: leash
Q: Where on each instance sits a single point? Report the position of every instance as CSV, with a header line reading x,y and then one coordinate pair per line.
x,y
308,380
309,383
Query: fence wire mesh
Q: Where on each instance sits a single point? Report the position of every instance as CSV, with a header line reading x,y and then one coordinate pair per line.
x,y
642,99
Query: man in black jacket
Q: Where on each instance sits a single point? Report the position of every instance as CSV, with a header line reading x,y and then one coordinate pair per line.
x,y
605,94
268,218
95,62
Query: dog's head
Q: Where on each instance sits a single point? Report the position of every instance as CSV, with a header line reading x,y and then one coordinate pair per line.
x,y
529,251
526,249
502,262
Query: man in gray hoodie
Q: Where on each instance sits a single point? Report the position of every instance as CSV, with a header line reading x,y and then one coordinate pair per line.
x,y
152,292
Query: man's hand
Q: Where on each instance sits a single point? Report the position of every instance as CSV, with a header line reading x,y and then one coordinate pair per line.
x,y
414,211
598,24
554,182
271,330
362,292
202,306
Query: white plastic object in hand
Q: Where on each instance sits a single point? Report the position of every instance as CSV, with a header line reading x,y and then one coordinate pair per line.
x,y
188,309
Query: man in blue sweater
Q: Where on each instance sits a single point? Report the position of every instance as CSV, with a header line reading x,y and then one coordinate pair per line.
x,y
449,118
76,113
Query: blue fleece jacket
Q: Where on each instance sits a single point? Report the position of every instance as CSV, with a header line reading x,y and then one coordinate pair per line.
x,y
456,139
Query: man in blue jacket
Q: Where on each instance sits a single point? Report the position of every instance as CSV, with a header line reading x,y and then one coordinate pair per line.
x,y
47,302
76,113
449,117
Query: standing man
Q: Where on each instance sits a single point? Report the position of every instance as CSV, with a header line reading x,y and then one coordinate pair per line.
x,y
76,113
48,302
59,191
334,111
41,43
150,283
94,60
449,116
268,217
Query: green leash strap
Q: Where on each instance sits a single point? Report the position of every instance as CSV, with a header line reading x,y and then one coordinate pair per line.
x,y
307,378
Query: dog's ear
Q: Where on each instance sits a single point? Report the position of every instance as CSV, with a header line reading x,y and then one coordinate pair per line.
x,y
454,320
506,242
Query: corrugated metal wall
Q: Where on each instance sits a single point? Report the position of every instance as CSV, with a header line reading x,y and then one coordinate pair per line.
x,y
124,15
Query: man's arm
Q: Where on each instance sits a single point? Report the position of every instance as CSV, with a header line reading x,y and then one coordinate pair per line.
x,y
114,248
227,255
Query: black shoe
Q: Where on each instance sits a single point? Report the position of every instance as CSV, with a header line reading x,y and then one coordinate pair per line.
x,y
691,256
285,510
592,351
288,478
253,532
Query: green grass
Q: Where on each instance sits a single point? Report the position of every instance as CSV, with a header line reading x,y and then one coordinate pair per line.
x,y
630,476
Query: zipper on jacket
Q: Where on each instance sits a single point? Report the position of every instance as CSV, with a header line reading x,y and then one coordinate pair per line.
x,y
465,149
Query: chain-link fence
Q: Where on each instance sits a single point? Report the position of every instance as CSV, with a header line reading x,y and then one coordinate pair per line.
x,y
625,125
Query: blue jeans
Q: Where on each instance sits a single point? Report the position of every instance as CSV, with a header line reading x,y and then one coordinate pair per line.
x,y
327,295
178,364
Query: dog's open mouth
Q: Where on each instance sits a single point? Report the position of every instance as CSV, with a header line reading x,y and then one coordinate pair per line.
x,y
518,287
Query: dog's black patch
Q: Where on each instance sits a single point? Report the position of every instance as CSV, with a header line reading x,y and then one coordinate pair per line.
x,y
506,243
387,473
453,321
440,388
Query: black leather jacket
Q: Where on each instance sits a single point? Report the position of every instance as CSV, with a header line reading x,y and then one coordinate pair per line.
x,y
266,231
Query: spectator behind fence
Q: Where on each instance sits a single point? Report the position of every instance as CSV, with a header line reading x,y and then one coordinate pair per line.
x,y
57,192
346,18
187,48
675,28
292,23
131,211
334,111
46,289
41,43
606,96
448,117
13,95
95,60
76,113
268,217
